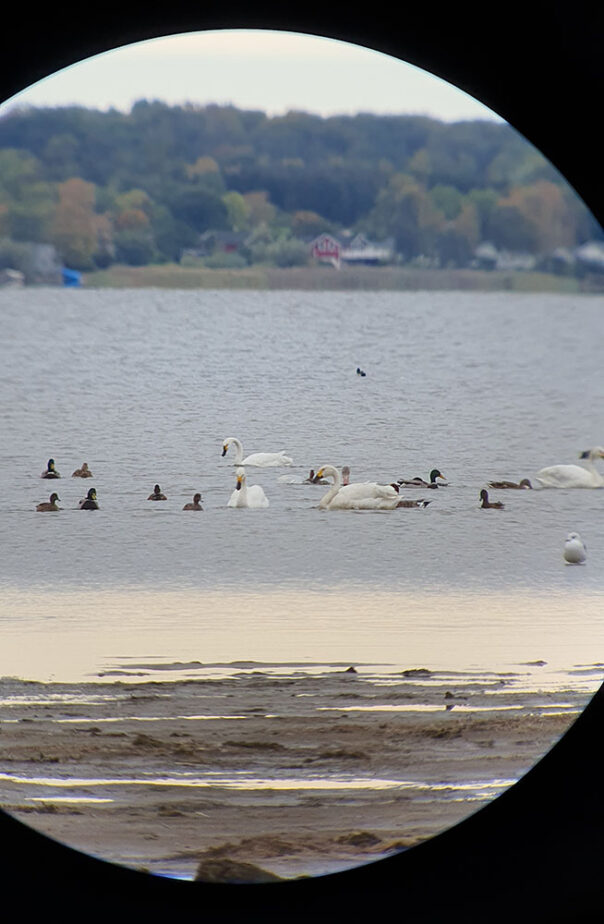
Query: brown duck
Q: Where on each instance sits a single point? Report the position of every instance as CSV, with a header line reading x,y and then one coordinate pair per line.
x,y
49,505
486,503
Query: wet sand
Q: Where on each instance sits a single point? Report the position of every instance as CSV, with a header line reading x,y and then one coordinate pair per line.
x,y
299,772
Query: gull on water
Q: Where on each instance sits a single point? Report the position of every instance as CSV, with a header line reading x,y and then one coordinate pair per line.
x,y
575,550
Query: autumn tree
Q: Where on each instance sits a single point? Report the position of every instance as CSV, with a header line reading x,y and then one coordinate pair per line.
x,y
74,230
546,207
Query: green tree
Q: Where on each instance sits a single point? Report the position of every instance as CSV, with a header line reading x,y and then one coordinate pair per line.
x,y
200,209
238,211
405,211
447,199
17,170
134,246
509,229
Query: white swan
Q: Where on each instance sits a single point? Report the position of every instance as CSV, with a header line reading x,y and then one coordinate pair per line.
x,y
367,495
256,458
575,550
243,496
574,476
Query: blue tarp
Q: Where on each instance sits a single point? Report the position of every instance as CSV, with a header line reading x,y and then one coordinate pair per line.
x,y
71,277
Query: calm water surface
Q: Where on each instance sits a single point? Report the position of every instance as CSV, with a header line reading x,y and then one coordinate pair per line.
x,y
145,385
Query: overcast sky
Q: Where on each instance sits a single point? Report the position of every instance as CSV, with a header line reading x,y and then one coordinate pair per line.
x,y
254,69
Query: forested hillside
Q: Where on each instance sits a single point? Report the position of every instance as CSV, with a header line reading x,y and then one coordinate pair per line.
x,y
141,187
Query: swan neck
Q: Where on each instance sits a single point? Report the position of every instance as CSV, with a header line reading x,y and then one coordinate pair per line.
x,y
337,484
238,450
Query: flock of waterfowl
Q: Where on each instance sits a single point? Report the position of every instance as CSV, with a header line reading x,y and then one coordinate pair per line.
x,y
368,495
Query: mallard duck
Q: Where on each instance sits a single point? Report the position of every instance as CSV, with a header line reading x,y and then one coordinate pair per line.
x,y
51,471
196,505
90,501
521,485
486,503
157,494
418,482
49,505
313,479
575,550
83,472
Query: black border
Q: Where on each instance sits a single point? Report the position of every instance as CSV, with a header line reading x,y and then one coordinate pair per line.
x,y
534,854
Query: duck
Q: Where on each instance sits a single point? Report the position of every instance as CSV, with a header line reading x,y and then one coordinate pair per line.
x,y
49,504
523,485
244,496
90,502
485,503
360,372
418,482
367,495
575,550
157,494
51,471
195,505
263,459
312,478
83,472
574,476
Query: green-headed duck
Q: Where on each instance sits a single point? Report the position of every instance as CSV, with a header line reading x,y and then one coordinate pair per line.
x,y
51,471
90,502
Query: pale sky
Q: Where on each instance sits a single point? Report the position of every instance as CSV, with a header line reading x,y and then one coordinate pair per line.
x,y
254,69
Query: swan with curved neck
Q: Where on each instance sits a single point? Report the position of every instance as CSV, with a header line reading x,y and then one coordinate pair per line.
x,y
367,495
574,476
244,496
264,459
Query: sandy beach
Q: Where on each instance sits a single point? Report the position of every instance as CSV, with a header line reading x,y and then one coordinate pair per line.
x,y
297,772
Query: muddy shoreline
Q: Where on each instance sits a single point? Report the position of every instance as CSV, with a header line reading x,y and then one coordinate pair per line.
x,y
297,772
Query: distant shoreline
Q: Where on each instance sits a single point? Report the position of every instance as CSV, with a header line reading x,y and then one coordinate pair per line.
x,y
401,279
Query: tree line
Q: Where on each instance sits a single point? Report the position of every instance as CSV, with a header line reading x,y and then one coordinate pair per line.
x,y
141,187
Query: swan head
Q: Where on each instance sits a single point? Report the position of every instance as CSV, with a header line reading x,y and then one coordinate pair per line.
x,y
596,453
225,447
326,471
240,479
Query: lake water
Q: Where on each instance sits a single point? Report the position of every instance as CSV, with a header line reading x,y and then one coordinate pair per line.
x,y
145,385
